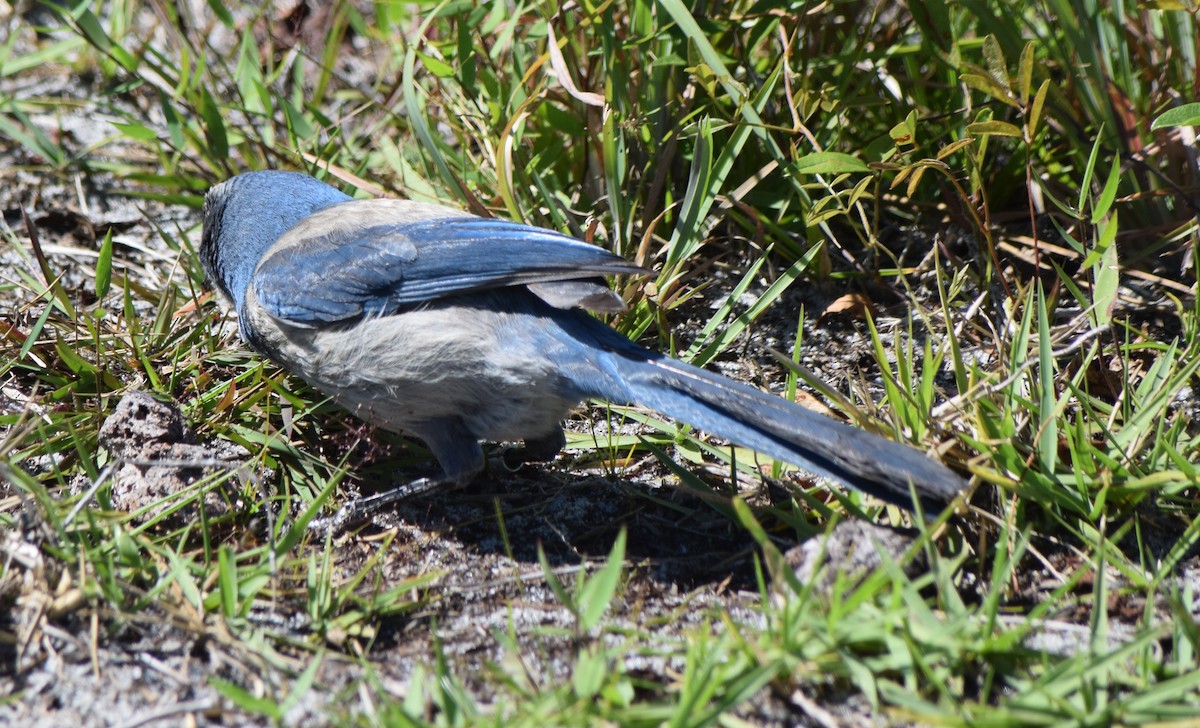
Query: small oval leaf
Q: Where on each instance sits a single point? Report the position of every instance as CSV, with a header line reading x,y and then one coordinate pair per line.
x,y
1035,110
829,163
997,128
988,85
104,266
1186,115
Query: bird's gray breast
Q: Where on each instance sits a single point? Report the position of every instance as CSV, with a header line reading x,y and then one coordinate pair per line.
x,y
484,358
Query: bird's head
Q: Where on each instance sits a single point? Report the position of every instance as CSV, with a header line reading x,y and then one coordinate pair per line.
x,y
245,215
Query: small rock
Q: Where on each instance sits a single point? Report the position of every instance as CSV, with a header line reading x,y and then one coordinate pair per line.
x,y
156,456
854,548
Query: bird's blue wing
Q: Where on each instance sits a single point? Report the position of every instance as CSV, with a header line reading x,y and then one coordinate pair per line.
x,y
351,272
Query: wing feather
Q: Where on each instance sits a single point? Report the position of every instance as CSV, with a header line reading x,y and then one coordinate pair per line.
x,y
340,264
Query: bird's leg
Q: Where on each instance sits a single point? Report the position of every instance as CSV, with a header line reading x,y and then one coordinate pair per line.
x,y
360,509
535,450
459,454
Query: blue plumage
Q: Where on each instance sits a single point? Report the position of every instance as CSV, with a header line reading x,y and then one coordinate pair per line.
x,y
457,329
382,269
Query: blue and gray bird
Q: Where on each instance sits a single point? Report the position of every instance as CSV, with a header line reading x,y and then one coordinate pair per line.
x,y
459,329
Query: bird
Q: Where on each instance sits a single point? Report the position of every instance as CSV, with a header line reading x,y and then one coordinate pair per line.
x,y
459,330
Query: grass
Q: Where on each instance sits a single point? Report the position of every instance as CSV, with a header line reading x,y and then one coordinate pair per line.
x,y
1011,188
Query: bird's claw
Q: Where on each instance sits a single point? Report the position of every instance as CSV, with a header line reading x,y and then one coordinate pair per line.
x,y
360,509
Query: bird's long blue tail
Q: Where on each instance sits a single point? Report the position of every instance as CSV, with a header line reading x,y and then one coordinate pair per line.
x,y
772,425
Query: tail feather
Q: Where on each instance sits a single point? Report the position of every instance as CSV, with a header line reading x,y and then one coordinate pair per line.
x,y
779,428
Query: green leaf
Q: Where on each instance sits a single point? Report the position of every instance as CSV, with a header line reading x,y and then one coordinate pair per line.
x,y
127,60
29,135
1089,171
227,581
77,364
182,576
1047,441
245,700
997,66
997,128
1025,73
172,120
214,126
104,266
1035,110
588,675
933,19
830,163
52,53
905,133
988,86
89,24
437,67
1106,273
137,132
555,583
300,528
599,589
221,12
1186,115
417,117
698,198
695,220
1104,203
297,121
302,684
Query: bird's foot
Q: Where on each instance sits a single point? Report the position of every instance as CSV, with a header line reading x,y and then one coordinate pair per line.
x,y
535,450
508,459
360,509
